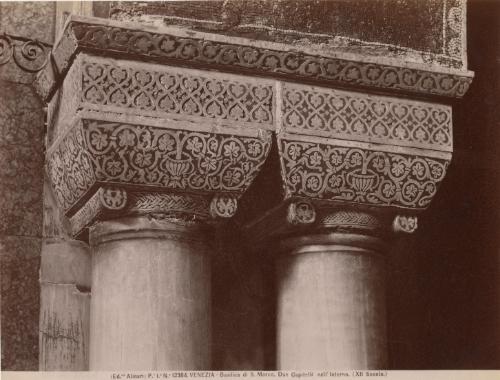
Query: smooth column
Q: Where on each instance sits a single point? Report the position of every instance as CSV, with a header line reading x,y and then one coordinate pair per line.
x,y
64,305
331,302
150,306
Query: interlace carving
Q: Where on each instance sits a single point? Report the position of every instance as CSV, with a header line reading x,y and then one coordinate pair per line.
x,y
154,157
352,116
408,224
223,206
176,91
110,202
357,175
354,220
301,212
196,205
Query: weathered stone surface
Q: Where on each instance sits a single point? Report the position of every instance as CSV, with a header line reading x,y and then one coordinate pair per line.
x,y
28,19
331,299
20,302
21,151
411,30
150,288
64,328
65,305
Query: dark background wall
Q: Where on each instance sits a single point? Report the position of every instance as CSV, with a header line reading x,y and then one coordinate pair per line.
x,y
444,290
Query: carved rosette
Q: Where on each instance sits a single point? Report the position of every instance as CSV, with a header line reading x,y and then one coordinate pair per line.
x,y
184,139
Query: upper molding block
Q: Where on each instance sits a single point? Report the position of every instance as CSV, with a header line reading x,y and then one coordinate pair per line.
x,y
181,47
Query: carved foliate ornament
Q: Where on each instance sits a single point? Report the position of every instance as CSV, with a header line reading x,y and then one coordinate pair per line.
x,y
151,129
301,212
350,148
223,206
406,224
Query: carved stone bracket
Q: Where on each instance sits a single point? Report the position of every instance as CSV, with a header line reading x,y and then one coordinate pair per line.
x,y
199,49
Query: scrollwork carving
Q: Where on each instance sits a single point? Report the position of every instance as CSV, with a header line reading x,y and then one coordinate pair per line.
x,y
145,156
29,55
359,175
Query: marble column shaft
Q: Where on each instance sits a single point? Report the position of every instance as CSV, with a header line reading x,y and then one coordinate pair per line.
x,y
150,306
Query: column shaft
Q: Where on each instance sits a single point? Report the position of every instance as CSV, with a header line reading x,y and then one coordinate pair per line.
x,y
150,305
331,304
64,306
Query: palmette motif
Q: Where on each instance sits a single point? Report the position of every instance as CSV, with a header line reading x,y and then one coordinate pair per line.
x,y
351,174
145,156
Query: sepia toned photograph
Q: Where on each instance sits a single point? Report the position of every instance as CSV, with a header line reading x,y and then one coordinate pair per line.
x,y
249,185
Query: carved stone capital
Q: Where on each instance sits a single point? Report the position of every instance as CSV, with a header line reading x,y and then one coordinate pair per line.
x,y
344,147
367,157
162,135
129,119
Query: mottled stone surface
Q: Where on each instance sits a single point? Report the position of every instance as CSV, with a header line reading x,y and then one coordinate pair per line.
x,y
21,154
29,19
20,303
21,183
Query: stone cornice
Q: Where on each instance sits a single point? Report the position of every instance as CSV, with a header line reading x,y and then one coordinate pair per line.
x,y
233,54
